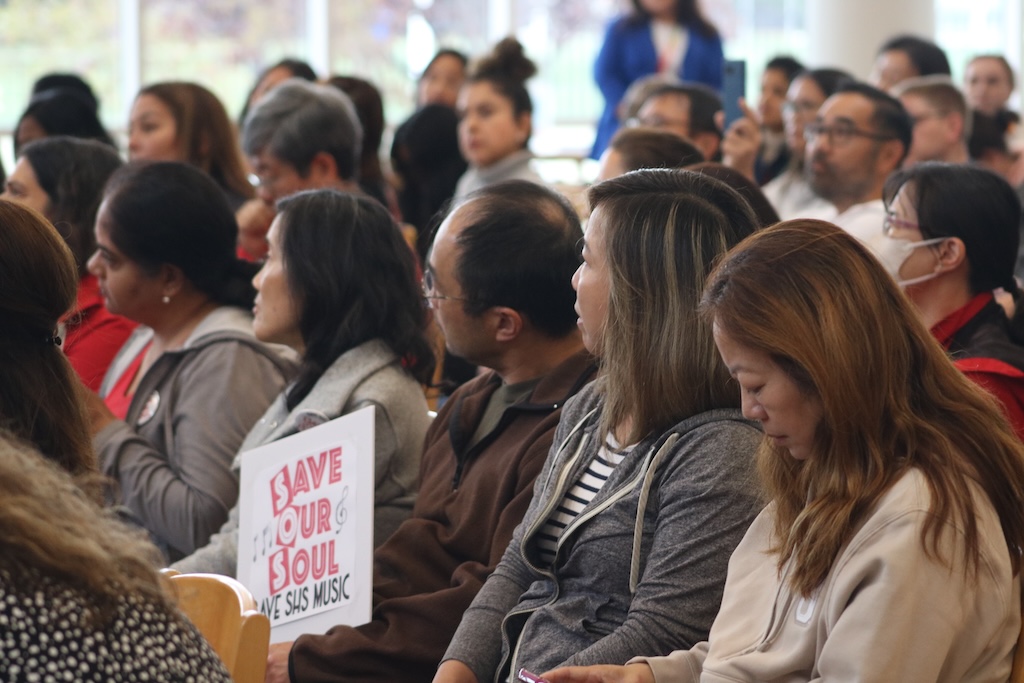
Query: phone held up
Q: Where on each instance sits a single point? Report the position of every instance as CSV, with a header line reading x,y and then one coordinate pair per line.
x,y
528,677
734,86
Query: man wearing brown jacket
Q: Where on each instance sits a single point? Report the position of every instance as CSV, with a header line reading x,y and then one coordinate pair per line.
x,y
498,280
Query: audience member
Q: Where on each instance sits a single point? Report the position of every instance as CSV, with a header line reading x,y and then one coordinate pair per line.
x,y
346,300
773,156
496,119
658,37
688,110
427,164
302,136
632,149
790,193
69,81
953,234
40,399
441,81
988,145
988,84
59,112
272,76
858,138
191,381
181,121
906,56
369,108
940,119
498,283
80,599
63,178
890,550
625,544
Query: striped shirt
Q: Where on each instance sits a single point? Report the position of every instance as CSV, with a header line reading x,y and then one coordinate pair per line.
x,y
579,496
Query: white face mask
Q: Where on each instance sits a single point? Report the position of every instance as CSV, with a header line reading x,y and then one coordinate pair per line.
x,y
894,252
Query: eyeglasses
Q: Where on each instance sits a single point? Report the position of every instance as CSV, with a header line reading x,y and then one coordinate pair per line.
x,y
840,134
891,223
800,107
429,291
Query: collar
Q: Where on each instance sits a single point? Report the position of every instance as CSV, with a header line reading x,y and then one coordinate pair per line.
x,y
951,324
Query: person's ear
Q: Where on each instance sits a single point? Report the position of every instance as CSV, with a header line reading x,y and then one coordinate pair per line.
x,y
172,280
952,253
508,323
323,171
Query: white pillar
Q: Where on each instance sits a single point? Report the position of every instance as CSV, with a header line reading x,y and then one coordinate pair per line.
x,y
846,34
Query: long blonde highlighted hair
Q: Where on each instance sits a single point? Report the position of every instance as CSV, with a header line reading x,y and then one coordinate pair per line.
x,y
664,232
50,526
809,295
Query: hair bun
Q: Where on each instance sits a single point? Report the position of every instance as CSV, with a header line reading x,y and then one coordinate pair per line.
x,y
507,59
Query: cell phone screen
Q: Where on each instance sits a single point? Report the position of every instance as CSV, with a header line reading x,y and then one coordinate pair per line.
x,y
528,677
734,86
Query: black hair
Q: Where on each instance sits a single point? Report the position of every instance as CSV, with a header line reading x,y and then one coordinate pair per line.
x,y
827,80
687,14
425,155
507,68
520,250
63,111
988,133
446,52
171,213
298,69
789,66
652,148
353,276
704,104
72,173
927,57
889,116
67,81
369,105
972,203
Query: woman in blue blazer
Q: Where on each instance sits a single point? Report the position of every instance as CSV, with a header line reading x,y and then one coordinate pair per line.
x,y
631,51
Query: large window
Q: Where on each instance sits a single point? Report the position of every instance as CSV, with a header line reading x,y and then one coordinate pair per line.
x,y
120,44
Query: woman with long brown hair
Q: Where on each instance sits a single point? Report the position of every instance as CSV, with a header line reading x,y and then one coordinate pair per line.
x,y
80,597
891,548
650,482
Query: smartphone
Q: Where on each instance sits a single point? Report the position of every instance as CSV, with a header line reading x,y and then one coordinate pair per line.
x,y
528,677
734,86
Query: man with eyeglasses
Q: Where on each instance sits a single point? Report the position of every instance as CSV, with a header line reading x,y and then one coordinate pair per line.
x,y
498,280
684,109
939,113
858,138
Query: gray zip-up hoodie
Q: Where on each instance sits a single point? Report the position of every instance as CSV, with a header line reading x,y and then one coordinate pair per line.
x,y
172,454
641,570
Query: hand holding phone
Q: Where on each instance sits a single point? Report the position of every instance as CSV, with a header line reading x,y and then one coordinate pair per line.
x,y
528,677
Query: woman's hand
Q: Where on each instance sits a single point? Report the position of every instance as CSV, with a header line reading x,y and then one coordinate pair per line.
x,y
254,219
631,673
742,142
454,671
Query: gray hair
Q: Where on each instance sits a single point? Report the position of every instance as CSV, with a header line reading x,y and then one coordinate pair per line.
x,y
297,120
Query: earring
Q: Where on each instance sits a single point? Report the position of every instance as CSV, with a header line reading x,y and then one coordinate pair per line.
x,y
166,299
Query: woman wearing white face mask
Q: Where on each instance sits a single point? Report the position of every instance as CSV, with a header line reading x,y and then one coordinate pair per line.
x,y
951,237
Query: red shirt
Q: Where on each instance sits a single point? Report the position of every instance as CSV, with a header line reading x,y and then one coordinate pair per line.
x,y
92,334
999,378
119,400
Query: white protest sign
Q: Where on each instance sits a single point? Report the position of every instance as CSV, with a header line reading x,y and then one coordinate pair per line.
x,y
305,537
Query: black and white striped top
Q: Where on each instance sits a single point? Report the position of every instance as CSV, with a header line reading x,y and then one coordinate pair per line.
x,y
579,496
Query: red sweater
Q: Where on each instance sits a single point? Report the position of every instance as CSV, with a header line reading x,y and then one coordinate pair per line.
x,y
92,334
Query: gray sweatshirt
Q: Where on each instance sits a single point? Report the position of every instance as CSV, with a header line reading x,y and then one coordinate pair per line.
x,y
641,570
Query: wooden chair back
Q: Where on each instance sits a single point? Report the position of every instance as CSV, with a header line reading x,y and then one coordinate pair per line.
x,y
226,613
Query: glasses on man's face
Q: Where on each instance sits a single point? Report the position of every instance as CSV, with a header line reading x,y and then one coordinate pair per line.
x,y
891,223
430,293
839,134
799,107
